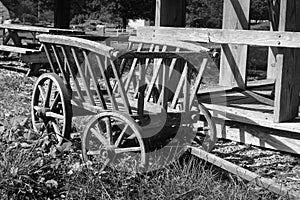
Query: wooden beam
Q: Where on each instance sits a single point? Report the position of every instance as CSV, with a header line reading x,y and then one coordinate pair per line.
x,y
234,57
62,13
244,173
223,36
170,13
287,85
259,136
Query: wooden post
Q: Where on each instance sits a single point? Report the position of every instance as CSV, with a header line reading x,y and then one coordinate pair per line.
x,y
170,13
234,57
62,14
287,85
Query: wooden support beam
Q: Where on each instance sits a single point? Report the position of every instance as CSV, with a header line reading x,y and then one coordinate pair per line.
x,y
221,36
62,13
287,63
170,13
234,57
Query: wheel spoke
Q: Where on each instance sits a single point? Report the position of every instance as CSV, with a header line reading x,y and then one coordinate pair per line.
x,y
57,133
107,161
121,135
55,101
42,92
100,137
108,130
48,93
93,153
37,108
55,115
125,150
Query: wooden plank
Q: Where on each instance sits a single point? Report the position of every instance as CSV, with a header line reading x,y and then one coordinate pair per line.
x,y
164,55
249,116
287,86
244,173
15,49
259,136
39,29
80,43
170,42
224,36
233,57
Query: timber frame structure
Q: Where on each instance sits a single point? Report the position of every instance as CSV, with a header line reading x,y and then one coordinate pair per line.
x,y
265,112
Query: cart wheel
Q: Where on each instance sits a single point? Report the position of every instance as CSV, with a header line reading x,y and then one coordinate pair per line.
x,y
208,130
51,108
114,139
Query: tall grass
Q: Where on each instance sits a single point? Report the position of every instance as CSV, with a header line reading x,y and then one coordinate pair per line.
x,y
42,171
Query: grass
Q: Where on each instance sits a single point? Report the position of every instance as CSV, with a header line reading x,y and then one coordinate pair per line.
x,y
32,168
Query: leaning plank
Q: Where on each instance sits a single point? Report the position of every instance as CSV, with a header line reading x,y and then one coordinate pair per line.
x,y
244,173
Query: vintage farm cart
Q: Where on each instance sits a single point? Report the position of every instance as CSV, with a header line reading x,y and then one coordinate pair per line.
x,y
141,100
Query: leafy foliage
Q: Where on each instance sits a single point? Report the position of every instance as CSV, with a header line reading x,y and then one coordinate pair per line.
x,y
200,13
259,10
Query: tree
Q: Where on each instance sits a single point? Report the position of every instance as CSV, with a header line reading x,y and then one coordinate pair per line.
x,y
259,10
204,13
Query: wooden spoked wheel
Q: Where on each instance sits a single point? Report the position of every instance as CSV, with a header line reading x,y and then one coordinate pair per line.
x,y
207,134
114,139
51,108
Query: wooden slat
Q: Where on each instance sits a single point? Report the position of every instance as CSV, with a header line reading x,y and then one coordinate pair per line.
x,y
72,73
163,55
259,136
234,57
247,116
105,77
59,62
163,97
196,85
179,87
132,69
95,81
15,49
38,29
121,87
46,48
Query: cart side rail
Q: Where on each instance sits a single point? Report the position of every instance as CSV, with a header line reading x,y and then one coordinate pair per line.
x,y
168,71
89,70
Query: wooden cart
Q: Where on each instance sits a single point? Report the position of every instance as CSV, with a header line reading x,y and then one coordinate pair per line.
x,y
142,101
